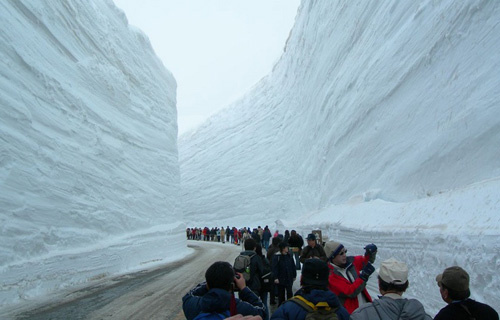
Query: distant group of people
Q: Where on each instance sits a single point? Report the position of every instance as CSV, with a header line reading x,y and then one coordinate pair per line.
x,y
332,285
231,235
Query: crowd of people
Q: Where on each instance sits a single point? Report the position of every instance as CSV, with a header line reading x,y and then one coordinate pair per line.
x,y
232,235
332,284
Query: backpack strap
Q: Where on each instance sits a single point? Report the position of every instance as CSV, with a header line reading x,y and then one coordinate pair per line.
x,y
402,308
308,305
375,302
471,317
376,310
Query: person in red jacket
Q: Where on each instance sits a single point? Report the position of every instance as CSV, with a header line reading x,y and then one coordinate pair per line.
x,y
349,275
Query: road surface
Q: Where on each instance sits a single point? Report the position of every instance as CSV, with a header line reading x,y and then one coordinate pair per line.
x,y
150,294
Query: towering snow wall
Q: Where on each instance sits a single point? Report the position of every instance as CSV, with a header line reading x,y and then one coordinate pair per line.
x,y
392,100
89,175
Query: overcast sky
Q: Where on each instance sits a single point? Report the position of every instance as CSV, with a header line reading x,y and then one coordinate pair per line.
x,y
216,49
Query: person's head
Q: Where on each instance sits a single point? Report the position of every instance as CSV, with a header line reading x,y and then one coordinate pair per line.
x,y
283,246
315,274
453,284
275,242
311,240
258,250
393,277
336,253
250,244
220,275
293,233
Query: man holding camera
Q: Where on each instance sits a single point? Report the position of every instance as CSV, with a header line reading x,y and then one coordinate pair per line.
x,y
216,295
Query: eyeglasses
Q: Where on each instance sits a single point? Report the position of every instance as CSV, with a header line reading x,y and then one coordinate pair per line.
x,y
342,253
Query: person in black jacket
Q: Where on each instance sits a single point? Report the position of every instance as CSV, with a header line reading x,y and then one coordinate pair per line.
x,y
284,272
256,267
312,250
296,242
454,288
266,279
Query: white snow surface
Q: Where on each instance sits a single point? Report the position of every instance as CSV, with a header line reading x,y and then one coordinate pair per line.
x,y
380,123
89,174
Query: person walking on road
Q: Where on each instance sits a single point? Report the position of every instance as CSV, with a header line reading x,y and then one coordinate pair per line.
x,y
284,272
296,242
312,250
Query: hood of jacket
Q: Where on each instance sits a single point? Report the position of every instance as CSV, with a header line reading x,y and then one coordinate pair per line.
x,y
215,300
410,309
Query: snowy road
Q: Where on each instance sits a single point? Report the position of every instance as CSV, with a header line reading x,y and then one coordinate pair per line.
x,y
151,294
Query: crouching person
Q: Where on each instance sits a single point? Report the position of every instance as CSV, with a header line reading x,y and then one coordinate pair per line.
x,y
392,283
216,295
313,296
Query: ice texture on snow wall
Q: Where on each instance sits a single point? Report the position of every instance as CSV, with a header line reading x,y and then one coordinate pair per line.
x,y
88,152
391,100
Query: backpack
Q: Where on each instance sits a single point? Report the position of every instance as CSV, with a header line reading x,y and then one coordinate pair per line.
x,y
318,311
242,265
212,316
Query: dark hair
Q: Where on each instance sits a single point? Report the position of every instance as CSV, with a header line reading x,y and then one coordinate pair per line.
x,y
276,241
250,244
456,295
282,245
258,250
391,286
220,275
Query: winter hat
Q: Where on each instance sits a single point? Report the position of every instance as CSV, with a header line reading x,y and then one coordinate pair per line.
x,y
311,236
315,272
332,249
454,278
393,271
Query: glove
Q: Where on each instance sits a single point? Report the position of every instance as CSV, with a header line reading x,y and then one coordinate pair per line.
x,y
367,271
371,252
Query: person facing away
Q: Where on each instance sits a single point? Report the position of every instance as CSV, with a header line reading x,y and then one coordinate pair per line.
x,y
266,236
256,266
284,272
348,276
296,242
216,295
454,288
313,292
392,283
312,250
273,249
265,280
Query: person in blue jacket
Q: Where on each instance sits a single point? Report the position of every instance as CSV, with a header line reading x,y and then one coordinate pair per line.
x,y
216,295
313,292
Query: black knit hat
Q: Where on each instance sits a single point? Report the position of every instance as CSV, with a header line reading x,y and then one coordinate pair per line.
x,y
315,272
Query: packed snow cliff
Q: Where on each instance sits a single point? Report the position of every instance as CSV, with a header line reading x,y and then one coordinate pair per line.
x,y
398,99
89,176
380,123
